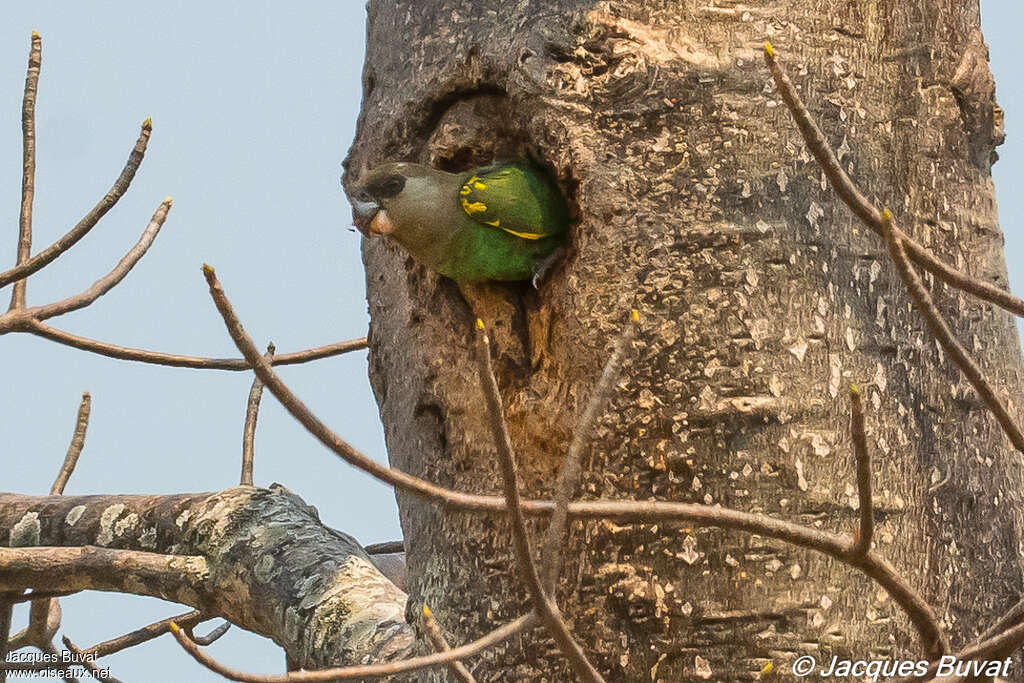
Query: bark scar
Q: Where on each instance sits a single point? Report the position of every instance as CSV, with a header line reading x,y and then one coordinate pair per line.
x,y
974,88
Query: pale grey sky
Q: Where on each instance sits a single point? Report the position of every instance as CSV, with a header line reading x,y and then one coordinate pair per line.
x,y
253,109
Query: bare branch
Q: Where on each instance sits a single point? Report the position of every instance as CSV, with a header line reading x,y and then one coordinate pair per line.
x,y
322,432
43,624
40,666
941,330
862,543
1013,617
111,279
157,358
999,646
96,568
30,320
28,176
530,575
251,413
51,649
869,214
211,637
436,637
108,647
367,671
569,478
362,611
385,548
75,449
92,667
45,613
89,221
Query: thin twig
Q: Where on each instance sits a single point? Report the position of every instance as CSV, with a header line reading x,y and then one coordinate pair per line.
x,y
878,569
89,221
321,431
51,649
1001,645
211,637
111,279
1013,617
43,623
941,331
530,575
387,547
997,647
437,639
868,213
252,411
862,543
92,667
187,620
39,665
75,449
28,175
45,613
172,360
572,470
367,671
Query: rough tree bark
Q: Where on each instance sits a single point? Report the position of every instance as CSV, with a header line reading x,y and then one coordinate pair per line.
x,y
257,557
761,299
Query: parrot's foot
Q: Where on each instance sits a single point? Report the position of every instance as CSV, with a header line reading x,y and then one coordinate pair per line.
x,y
545,266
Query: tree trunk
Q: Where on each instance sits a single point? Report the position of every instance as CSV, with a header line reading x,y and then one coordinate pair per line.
x,y
761,300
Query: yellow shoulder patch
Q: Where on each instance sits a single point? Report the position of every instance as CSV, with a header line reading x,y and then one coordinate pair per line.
x,y
473,207
474,183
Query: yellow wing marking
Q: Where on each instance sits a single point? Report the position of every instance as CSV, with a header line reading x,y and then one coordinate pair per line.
x,y
473,183
524,235
474,207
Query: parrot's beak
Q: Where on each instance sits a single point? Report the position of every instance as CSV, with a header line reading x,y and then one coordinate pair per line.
x,y
370,218
363,214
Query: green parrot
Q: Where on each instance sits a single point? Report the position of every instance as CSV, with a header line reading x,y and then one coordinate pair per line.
x,y
501,222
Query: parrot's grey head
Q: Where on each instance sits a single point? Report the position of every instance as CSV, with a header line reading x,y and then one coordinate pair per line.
x,y
387,189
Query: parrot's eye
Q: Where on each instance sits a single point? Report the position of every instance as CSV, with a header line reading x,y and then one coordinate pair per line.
x,y
388,186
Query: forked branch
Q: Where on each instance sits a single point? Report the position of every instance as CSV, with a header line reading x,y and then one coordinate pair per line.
x,y
20,318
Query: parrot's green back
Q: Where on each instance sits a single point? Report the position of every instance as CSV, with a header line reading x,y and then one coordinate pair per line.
x,y
510,219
